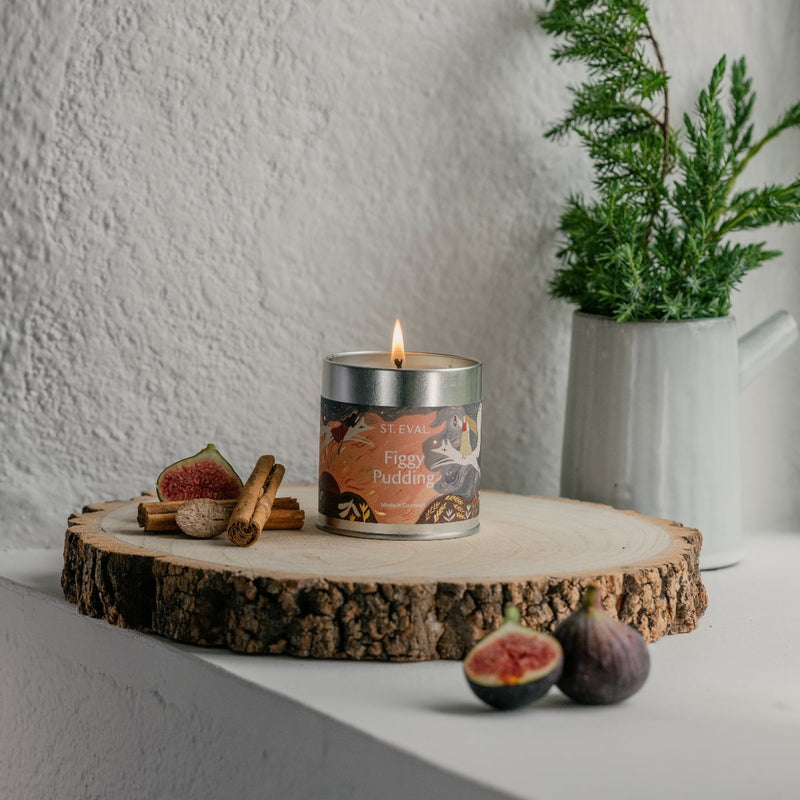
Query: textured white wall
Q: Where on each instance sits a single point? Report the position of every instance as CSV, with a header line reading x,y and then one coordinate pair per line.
x,y
199,200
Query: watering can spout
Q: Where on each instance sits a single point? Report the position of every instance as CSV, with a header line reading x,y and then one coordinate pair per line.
x,y
765,342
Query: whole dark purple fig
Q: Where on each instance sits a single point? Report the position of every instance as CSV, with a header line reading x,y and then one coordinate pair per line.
x,y
605,660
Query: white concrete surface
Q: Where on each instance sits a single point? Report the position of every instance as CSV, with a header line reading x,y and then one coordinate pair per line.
x,y
91,711
202,199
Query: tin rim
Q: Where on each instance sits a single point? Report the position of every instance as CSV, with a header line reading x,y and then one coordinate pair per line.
x,y
425,532
430,380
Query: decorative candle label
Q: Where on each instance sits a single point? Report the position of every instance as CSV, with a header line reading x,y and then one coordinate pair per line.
x,y
399,466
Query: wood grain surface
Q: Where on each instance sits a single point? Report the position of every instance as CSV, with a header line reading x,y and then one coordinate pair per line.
x,y
314,594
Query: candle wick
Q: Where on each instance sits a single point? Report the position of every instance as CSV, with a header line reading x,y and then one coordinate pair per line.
x,y
398,362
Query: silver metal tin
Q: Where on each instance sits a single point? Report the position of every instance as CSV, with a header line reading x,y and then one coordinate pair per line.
x,y
408,533
430,387
426,380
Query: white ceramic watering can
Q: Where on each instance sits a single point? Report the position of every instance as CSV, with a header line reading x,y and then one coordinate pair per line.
x,y
652,420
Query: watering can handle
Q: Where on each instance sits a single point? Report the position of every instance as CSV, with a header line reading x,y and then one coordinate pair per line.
x,y
765,342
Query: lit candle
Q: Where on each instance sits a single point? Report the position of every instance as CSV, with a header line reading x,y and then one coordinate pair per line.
x,y
398,347
400,444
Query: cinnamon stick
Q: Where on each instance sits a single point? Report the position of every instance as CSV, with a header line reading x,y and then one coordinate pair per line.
x,y
245,532
279,519
205,519
160,515
264,505
244,528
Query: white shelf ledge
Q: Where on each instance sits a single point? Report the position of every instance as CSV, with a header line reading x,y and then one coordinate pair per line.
x,y
97,711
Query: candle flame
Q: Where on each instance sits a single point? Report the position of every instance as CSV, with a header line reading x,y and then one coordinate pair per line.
x,y
398,350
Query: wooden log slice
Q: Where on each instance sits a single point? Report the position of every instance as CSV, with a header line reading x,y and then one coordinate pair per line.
x,y
314,594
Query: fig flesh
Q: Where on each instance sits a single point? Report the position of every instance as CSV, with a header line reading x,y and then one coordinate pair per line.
x,y
514,665
205,474
605,660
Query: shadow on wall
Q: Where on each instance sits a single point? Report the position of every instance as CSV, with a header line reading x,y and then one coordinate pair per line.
x,y
216,187
497,95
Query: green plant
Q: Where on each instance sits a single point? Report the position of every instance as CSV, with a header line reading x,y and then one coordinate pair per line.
x,y
653,242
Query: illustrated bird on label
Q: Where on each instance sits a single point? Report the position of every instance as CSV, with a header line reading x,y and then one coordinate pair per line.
x,y
350,429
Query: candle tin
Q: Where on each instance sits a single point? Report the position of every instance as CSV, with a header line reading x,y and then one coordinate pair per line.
x,y
399,450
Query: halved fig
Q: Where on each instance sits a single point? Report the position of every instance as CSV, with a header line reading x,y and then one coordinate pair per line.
x,y
514,665
205,474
